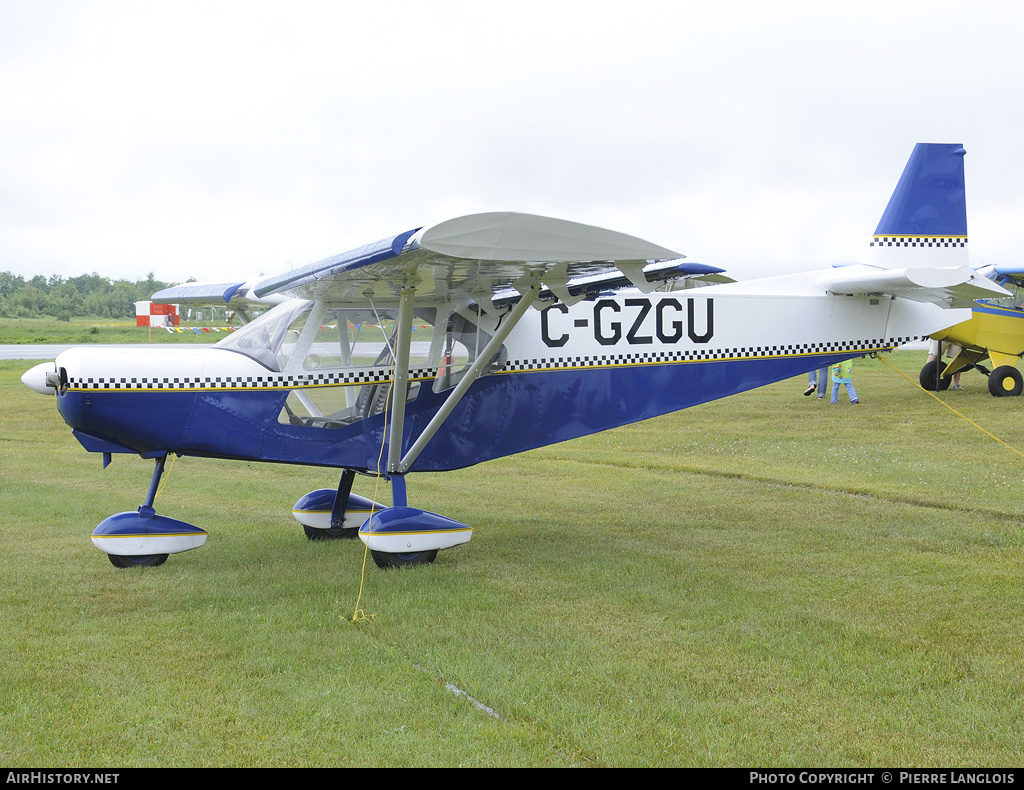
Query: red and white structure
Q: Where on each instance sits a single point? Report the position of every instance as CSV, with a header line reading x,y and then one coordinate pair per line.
x,y
153,314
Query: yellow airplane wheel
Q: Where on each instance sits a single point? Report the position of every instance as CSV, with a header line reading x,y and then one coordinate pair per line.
x,y
1005,380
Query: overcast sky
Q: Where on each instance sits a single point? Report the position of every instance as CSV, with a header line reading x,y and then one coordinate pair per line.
x,y
236,139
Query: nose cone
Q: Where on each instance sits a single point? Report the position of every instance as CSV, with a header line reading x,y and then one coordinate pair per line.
x,y
36,378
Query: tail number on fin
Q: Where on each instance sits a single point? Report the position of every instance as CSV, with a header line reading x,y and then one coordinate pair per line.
x,y
631,321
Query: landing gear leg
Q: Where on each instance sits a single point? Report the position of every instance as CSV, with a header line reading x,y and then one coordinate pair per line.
x,y
144,560
405,559
143,539
337,530
931,377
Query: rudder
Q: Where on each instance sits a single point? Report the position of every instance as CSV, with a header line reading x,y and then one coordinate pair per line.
x,y
925,222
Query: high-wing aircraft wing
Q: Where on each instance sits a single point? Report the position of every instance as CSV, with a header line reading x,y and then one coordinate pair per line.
x,y
654,275
479,256
476,256
1014,273
230,293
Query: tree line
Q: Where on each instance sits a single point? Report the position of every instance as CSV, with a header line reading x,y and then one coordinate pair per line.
x,y
74,297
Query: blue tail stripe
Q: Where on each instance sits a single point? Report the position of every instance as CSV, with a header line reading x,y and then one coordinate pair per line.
x,y
929,199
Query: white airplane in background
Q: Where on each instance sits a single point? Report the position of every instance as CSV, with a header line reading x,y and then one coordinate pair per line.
x,y
542,331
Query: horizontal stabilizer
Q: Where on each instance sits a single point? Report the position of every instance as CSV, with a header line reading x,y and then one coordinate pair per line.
x,y
955,286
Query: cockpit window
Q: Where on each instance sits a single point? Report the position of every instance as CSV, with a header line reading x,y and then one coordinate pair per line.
x,y
345,356
1017,291
264,340
464,340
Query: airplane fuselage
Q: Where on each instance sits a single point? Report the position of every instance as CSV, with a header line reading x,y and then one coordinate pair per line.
x,y
566,372
995,330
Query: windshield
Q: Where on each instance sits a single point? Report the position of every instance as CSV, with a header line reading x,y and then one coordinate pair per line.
x,y
1016,289
343,357
264,339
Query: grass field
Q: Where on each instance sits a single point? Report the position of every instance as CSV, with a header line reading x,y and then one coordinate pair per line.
x,y
762,581
48,331
84,331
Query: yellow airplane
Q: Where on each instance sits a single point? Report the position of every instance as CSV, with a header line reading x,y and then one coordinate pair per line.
x,y
995,331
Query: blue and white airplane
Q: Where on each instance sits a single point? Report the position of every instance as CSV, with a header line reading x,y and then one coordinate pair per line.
x,y
536,330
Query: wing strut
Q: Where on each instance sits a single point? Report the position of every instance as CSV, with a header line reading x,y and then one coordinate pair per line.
x,y
400,391
529,296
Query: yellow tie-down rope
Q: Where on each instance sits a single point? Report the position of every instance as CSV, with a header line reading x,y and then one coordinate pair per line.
x,y
882,359
164,477
357,614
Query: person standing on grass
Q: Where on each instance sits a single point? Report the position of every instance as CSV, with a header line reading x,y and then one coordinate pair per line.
x,y
816,381
950,352
842,373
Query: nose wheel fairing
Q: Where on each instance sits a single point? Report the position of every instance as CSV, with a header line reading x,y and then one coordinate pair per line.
x,y
144,533
144,538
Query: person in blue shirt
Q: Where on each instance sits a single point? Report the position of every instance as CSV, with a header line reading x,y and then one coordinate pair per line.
x,y
842,373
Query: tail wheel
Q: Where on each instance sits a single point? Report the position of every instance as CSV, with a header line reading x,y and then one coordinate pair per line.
x,y
386,559
1005,380
929,376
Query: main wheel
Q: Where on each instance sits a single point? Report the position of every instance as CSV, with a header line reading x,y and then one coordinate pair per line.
x,y
331,533
137,561
386,559
1005,380
928,375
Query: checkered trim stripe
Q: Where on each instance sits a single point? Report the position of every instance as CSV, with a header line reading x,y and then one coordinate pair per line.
x,y
703,355
383,375
919,241
339,378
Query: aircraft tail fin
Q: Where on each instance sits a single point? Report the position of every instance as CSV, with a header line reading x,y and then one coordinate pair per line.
x,y
925,222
